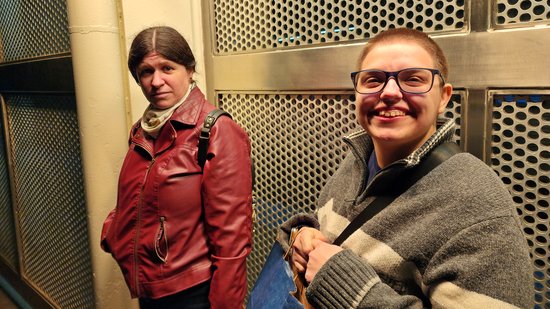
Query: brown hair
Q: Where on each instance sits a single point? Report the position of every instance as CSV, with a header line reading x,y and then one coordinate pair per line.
x,y
164,40
412,35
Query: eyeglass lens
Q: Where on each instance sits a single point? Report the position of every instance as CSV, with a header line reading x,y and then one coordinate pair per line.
x,y
408,80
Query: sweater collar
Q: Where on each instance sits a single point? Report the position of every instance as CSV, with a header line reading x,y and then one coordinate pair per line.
x,y
361,144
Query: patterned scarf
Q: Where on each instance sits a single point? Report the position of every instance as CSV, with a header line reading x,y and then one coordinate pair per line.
x,y
154,119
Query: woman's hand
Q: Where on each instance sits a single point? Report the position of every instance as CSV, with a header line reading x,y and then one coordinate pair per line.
x,y
322,251
302,246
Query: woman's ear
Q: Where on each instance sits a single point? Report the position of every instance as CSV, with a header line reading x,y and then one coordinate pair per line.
x,y
446,93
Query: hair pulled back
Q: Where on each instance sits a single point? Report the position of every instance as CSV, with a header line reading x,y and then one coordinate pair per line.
x,y
166,41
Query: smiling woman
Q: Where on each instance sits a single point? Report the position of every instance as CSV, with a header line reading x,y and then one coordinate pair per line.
x,y
449,240
180,234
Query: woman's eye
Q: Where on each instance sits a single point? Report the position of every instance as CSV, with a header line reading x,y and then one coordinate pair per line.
x,y
167,68
145,72
372,80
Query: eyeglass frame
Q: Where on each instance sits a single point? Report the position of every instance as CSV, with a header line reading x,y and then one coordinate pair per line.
x,y
394,75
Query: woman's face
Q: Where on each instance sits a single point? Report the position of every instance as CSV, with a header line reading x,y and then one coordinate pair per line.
x,y
162,81
394,119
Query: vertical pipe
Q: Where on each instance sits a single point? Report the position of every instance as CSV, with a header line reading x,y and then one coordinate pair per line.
x,y
101,94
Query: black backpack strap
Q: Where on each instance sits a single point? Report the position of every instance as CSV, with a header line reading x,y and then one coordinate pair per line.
x,y
204,137
434,158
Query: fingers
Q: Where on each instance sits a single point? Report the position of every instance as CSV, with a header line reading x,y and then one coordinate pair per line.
x,y
299,262
303,245
321,253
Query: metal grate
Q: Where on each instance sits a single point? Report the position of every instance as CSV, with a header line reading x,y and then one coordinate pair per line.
x,y
49,194
8,245
248,26
454,111
33,29
296,146
521,12
521,156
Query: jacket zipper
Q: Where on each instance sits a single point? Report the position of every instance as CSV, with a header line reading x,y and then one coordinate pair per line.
x,y
136,238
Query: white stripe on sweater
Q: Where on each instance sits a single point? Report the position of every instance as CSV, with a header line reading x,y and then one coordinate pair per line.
x,y
385,260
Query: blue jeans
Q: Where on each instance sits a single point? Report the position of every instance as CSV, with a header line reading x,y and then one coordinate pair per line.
x,y
195,297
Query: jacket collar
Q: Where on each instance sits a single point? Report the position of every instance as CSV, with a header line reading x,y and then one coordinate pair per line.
x,y
186,115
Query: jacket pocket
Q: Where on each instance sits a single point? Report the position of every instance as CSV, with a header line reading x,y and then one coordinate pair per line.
x,y
161,241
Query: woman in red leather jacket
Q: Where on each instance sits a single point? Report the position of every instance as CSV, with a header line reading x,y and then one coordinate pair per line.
x,y
179,234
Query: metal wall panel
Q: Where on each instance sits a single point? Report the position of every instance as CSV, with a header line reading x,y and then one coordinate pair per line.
x,y
49,197
251,26
277,66
8,243
43,148
514,13
32,29
520,154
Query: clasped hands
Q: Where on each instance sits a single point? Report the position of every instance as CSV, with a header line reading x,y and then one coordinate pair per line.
x,y
311,250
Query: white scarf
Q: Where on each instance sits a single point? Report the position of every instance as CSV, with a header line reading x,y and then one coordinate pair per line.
x,y
154,119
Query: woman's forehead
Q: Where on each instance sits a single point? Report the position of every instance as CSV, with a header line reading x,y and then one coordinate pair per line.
x,y
397,52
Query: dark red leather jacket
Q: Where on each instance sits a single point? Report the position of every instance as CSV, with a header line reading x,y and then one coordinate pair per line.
x,y
174,227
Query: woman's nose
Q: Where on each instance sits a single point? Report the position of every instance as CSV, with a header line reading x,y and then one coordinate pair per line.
x,y
157,79
391,90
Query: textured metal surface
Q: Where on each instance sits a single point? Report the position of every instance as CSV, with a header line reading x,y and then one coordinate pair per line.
x,y
49,196
517,13
296,146
32,29
454,111
244,26
521,156
8,244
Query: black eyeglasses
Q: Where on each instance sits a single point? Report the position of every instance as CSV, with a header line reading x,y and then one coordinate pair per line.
x,y
411,80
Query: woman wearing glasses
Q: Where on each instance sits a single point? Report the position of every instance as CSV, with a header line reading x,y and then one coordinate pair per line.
x,y
450,240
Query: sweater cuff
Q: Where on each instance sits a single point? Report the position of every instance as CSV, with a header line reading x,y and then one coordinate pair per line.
x,y
342,282
301,219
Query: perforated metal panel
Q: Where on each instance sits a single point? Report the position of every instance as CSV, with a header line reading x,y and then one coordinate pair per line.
x,y
521,156
49,195
521,12
296,146
244,26
8,245
454,111
33,29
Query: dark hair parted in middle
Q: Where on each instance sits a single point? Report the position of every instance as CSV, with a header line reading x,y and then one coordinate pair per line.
x,y
164,40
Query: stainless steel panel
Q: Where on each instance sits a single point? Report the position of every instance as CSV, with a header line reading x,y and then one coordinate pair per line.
x,y
477,60
520,154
